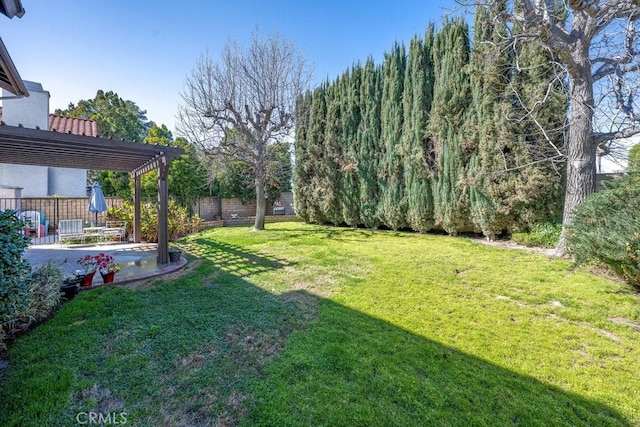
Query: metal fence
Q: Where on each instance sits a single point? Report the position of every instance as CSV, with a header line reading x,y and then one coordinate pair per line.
x,y
50,210
53,209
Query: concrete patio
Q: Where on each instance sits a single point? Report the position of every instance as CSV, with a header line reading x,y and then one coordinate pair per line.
x,y
138,261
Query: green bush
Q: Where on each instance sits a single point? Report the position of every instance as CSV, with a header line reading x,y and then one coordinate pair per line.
x,y
179,221
545,234
44,291
14,270
606,229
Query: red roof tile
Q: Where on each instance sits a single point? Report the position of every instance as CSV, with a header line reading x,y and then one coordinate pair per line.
x,y
70,125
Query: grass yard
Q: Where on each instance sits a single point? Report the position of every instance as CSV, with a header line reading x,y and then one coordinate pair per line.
x,y
309,325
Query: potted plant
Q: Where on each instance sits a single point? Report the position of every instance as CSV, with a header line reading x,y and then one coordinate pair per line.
x,y
174,254
107,267
89,264
69,286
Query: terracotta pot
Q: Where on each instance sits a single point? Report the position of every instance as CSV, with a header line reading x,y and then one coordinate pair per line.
x,y
87,280
108,277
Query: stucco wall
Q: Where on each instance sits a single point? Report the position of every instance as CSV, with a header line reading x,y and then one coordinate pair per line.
x,y
32,179
31,111
37,181
67,182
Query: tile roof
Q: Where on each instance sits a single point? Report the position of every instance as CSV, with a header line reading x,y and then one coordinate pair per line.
x,y
70,125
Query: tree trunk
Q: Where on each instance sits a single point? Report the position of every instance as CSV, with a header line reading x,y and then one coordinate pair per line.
x,y
581,150
261,208
261,202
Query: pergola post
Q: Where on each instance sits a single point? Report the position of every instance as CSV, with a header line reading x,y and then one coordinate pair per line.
x,y
163,211
137,190
24,146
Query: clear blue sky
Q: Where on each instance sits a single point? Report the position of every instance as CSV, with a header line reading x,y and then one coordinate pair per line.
x,y
144,50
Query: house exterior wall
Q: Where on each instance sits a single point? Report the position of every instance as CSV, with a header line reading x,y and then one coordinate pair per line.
x,y
67,182
37,181
32,179
31,111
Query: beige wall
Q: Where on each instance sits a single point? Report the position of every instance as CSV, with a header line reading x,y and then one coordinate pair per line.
x,y
213,208
208,208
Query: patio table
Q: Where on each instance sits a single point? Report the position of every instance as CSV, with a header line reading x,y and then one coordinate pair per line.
x,y
93,232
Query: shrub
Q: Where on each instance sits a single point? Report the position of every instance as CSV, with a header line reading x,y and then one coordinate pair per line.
x,y
180,222
14,270
44,291
546,234
606,229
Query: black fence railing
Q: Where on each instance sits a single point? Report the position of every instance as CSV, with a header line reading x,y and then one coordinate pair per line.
x,y
42,215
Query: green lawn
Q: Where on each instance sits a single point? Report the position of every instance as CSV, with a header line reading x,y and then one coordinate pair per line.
x,y
308,325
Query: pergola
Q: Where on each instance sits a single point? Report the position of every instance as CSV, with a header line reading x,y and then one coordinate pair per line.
x,y
19,145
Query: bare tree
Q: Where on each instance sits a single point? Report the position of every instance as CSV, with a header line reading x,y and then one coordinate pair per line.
x,y
237,107
596,41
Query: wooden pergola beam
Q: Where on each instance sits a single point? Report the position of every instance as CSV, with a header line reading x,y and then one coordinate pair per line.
x,y
38,147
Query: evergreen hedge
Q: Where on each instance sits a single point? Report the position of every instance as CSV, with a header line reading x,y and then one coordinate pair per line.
x,y
435,137
606,229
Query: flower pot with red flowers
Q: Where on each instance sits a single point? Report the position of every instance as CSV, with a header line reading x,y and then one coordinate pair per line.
x,y
107,267
89,266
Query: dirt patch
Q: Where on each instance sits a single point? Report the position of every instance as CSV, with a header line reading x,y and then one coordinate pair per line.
x,y
509,244
625,321
105,401
252,347
197,359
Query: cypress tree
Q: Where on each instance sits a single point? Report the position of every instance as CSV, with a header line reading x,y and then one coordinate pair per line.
x,y
508,190
329,190
316,152
369,145
538,120
451,95
393,203
350,121
490,74
417,99
302,171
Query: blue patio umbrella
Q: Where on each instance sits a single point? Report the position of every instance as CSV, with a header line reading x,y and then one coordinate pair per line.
x,y
97,203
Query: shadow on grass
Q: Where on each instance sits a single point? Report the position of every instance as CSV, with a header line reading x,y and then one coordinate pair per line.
x,y
234,259
181,353
351,369
329,232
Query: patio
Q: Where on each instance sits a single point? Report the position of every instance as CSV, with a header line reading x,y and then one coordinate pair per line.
x,y
138,261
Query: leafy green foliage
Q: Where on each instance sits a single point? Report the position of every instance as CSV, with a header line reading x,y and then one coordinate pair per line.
x,y
416,146
181,222
392,208
44,291
237,178
546,234
188,177
436,138
117,118
14,270
634,158
606,229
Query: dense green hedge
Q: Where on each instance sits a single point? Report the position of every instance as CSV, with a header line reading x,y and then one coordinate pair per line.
x,y
433,137
606,229
14,269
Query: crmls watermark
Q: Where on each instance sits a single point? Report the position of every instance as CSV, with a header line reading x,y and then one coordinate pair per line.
x,y
100,418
